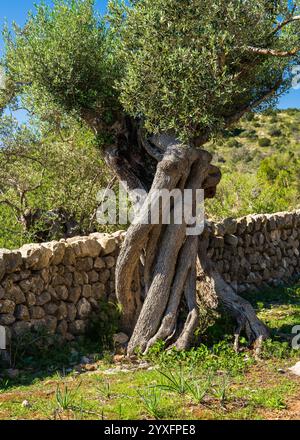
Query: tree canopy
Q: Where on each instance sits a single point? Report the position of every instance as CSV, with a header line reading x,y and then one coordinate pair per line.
x,y
189,66
195,65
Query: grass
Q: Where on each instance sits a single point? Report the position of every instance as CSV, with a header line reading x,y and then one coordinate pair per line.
x,y
151,400
208,382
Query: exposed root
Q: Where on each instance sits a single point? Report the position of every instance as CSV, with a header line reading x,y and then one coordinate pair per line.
x,y
239,308
258,347
237,334
186,262
158,294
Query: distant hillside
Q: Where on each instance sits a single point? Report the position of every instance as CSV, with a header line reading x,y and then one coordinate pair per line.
x,y
260,162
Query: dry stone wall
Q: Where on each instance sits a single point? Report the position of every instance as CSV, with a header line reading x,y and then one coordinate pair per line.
x,y
258,250
58,285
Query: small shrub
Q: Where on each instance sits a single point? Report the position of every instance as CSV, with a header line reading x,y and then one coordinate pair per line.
x,y
292,111
242,155
275,402
208,358
264,142
276,132
273,120
249,134
234,132
233,143
35,347
250,116
4,385
270,112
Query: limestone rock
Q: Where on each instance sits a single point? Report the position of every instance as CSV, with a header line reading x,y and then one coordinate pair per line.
x,y
58,251
83,308
36,256
62,327
120,338
50,308
74,294
107,242
7,319
104,276
20,328
93,276
77,327
72,312
7,306
99,263
51,324
31,299
62,311
98,291
43,298
84,264
36,312
85,247
22,313
110,262
87,291
69,257
295,369
230,226
232,240
12,260
62,292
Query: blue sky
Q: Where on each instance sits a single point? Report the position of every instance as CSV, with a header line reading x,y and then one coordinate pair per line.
x,y
16,10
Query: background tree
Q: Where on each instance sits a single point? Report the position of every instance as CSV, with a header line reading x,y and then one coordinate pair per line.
x,y
44,194
157,84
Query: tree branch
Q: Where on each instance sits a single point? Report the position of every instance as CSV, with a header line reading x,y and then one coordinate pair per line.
x,y
273,52
284,23
10,204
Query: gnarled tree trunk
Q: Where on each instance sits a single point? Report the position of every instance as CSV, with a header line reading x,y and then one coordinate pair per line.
x,y
167,255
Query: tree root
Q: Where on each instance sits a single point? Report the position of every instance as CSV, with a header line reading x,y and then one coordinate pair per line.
x,y
222,294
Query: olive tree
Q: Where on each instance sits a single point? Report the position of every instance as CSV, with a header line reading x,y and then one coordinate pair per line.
x,y
157,80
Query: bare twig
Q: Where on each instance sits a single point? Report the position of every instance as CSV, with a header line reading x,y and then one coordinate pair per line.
x,y
290,19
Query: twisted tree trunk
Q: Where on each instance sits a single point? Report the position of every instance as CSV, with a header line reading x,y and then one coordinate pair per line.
x,y
168,257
